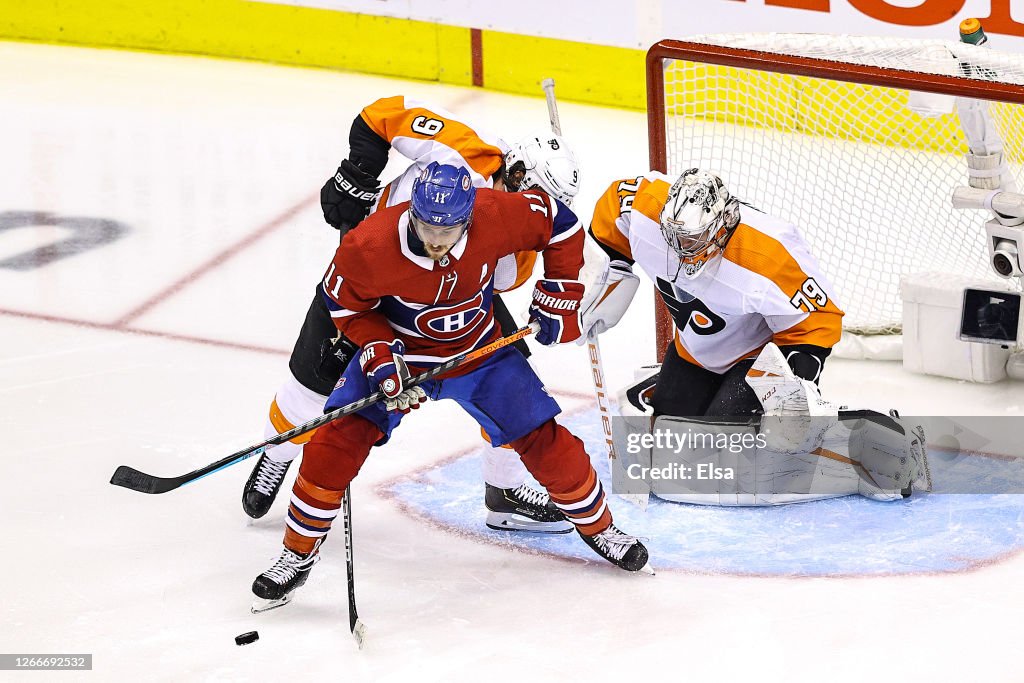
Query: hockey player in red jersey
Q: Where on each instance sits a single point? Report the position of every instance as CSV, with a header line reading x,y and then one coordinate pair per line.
x,y
423,133
413,287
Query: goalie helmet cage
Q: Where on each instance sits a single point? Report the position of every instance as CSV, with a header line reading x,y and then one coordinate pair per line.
x,y
854,139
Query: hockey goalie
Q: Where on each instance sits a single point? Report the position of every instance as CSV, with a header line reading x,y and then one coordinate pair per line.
x,y
733,415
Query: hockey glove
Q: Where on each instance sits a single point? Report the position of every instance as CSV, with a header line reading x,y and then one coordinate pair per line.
x,y
347,197
615,291
556,306
386,371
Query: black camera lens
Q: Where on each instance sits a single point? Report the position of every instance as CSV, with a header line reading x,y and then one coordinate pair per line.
x,y
1002,264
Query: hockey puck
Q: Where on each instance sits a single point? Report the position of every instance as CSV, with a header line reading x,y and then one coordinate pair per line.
x,y
246,638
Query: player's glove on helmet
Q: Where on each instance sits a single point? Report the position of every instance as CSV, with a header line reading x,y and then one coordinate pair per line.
x,y
556,307
347,197
387,372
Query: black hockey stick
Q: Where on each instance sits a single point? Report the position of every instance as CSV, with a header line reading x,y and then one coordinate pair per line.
x,y
357,627
135,480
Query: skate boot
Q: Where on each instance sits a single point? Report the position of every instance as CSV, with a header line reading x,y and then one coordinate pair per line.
x,y
523,509
264,483
622,550
274,587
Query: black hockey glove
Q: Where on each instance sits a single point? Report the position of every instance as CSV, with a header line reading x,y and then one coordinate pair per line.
x,y
347,197
335,355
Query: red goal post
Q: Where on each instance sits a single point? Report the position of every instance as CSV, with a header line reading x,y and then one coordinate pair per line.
x,y
739,104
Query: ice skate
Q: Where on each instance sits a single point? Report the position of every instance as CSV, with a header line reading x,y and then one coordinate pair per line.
x,y
622,550
524,509
275,587
262,487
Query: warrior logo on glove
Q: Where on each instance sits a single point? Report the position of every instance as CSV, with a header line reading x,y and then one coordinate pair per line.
x,y
556,306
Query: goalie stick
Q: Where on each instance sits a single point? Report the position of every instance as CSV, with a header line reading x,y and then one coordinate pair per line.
x,y
135,480
593,347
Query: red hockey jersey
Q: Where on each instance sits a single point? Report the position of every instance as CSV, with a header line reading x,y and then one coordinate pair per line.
x,y
377,289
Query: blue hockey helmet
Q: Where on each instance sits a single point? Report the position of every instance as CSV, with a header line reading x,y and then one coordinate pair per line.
x,y
441,207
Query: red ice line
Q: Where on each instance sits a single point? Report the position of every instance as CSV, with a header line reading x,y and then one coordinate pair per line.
x,y
123,323
219,259
215,262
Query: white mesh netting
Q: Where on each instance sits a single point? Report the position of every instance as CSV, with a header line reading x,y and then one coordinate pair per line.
x,y
866,177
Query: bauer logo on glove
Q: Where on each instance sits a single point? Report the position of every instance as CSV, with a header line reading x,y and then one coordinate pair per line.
x,y
348,188
556,307
347,196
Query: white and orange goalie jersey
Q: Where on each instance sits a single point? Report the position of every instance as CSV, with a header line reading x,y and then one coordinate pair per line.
x,y
424,133
765,286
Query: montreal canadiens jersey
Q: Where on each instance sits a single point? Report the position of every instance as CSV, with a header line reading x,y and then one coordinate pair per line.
x,y
377,289
765,286
425,133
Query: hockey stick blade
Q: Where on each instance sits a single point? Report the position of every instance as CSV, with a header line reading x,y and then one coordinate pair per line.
x,y
132,479
359,633
135,480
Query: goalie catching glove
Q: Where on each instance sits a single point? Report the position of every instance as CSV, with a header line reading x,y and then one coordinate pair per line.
x,y
793,408
347,197
556,307
386,371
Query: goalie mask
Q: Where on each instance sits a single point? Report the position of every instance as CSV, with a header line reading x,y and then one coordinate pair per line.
x,y
545,161
698,218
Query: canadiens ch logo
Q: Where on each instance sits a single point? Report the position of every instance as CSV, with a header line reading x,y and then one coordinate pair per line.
x,y
450,323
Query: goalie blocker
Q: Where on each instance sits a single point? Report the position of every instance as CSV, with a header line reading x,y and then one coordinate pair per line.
x,y
802,448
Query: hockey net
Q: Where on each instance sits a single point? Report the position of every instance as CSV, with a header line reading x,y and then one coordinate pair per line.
x,y
855,140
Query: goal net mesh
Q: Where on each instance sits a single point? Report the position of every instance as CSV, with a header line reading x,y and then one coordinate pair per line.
x,y
865,171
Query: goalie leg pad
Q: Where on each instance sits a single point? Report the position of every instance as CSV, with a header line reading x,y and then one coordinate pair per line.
x,y
701,462
707,463
892,460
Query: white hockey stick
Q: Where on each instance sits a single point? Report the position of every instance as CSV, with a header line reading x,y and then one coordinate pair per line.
x,y
549,94
604,398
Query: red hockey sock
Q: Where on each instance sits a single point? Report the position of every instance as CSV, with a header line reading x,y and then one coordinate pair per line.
x,y
330,462
559,462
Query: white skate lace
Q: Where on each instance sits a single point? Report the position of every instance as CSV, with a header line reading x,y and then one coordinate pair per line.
x,y
269,475
288,565
531,495
614,543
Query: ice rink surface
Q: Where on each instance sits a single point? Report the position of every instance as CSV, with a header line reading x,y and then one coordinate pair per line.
x,y
160,239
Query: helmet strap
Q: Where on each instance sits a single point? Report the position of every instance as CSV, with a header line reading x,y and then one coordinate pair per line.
x,y
415,243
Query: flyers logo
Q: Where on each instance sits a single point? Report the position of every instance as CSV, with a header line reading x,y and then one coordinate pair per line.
x,y
689,311
450,323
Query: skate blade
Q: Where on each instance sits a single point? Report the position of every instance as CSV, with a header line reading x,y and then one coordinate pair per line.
x,y
647,569
511,522
260,605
